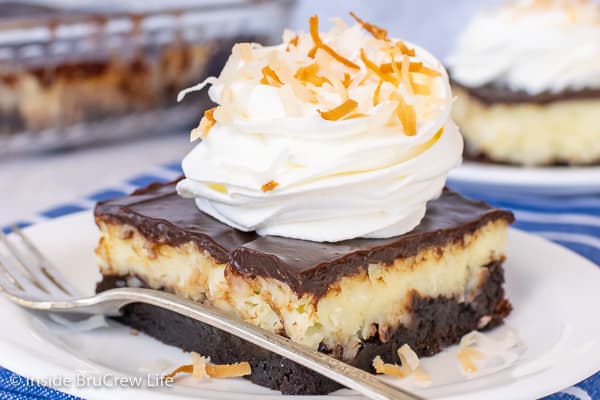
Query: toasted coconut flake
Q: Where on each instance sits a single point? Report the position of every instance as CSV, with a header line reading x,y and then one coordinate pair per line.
x,y
413,67
245,51
215,370
388,68
410,365
422,69
477,346
231,68
309,74
420,83
419,88
292,43
340,111
389,369
405,74
224,112
329,50
270,77
376,93
199,365
229,370
208,81
313,25
339,88
206,123
407,115
304,93
408,118
404,49
184,369
374,68
290,101
395,68
210,115
347,80
376,31
284,70
408,357
466,357
314,33
362,81
267,187
201,368
411,361
483,321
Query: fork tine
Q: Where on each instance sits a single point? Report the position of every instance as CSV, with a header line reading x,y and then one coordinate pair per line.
x,y
8,283
12,288
34,273
19,280
7,279
45,267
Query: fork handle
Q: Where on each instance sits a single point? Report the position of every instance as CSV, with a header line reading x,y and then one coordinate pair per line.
x,y
363,382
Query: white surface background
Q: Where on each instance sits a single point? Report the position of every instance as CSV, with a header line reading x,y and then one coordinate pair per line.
x,y
32,184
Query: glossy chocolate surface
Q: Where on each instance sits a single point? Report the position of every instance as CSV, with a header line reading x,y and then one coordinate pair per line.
x,y
164,217
492,94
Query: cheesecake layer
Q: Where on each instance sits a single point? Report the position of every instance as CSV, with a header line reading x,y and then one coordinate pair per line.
x,y
373,302
530,133
317,294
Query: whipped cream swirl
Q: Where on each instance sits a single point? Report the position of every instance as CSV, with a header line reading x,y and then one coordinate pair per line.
x,y
329,152
533,46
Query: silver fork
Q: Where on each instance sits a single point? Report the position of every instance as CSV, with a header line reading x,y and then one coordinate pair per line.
x,y
30,280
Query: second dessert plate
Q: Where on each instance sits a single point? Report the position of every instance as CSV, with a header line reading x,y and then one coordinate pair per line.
x,y
539,180
552,291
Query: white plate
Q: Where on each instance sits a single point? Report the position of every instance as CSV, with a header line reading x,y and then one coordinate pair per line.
x,y
554,292
542,180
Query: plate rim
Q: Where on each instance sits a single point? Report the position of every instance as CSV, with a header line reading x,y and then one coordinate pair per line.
x,y
577,180
144,394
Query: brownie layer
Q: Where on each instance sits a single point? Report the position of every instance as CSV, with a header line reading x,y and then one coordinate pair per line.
x,y
493,94
435,323
162,216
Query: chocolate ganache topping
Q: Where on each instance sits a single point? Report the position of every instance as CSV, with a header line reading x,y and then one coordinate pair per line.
x,y
162,216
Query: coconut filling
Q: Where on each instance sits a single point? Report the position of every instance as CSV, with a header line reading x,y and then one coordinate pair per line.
x,y
372,302
530,134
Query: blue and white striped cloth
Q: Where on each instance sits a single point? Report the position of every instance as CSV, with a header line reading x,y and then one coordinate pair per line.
x,y
574,222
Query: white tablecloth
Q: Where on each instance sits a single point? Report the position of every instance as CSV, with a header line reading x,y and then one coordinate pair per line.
x,y
35,183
